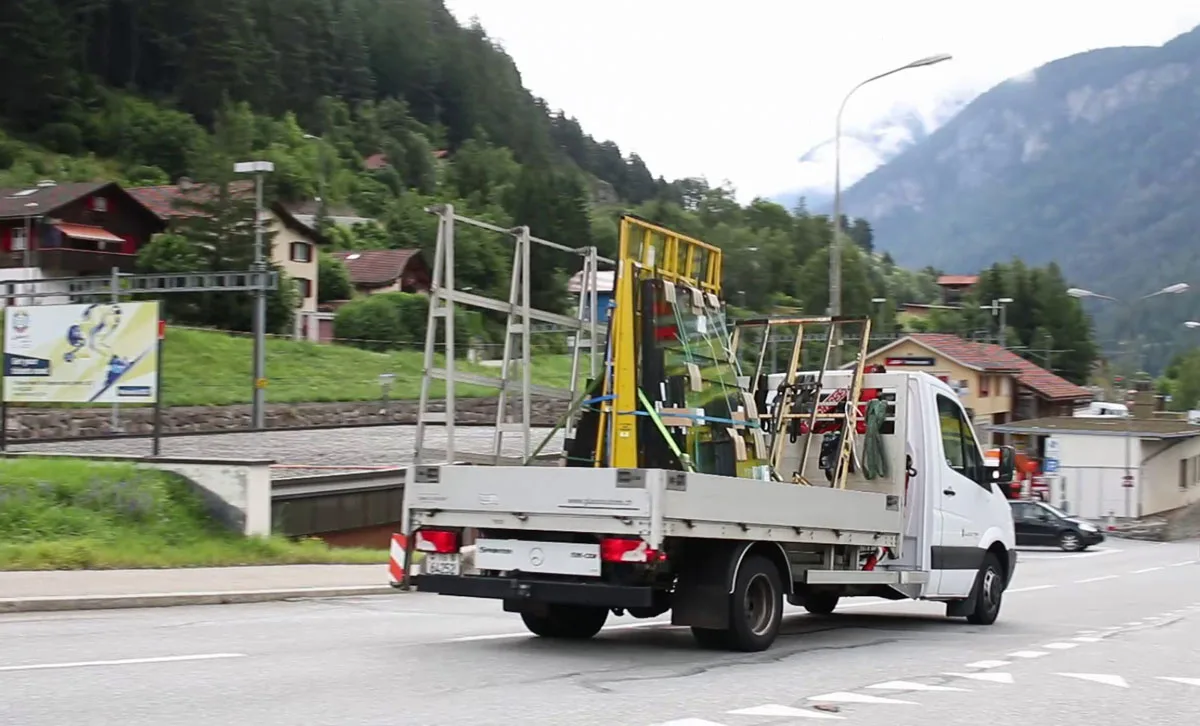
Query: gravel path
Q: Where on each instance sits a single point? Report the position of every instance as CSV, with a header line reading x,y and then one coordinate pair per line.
x,y
372,446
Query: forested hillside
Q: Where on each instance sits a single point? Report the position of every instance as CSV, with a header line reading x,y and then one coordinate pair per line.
x,y
148,91
1090,162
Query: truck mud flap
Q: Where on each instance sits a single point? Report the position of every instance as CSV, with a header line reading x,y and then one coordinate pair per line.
x,y
515,591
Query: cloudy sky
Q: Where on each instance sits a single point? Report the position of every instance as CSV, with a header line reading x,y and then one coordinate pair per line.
x,y
739,90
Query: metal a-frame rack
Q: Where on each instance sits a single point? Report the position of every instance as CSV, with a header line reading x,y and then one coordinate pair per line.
x,y
520,323
801,399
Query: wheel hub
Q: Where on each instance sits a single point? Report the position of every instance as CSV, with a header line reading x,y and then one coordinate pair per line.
x,y
760,605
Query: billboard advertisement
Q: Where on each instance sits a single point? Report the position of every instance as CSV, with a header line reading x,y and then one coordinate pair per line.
x,y
91,353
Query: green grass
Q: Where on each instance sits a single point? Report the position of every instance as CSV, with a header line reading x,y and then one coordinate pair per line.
x,y
203,368
73,514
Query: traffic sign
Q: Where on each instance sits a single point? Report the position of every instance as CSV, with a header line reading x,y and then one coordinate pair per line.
x,y
1052,448
1050,466
1127,481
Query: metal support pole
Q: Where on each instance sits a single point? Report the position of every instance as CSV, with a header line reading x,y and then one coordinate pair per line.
x,y
260,313
115,423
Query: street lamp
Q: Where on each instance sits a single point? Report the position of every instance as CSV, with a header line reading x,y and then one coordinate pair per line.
x,y
1175,289
835,249
1191,324
258,169
998,308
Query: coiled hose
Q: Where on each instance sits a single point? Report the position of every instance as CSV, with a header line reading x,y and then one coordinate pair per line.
x,y
875,461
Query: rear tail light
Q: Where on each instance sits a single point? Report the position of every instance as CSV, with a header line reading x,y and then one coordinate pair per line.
x,y
622,549
441,541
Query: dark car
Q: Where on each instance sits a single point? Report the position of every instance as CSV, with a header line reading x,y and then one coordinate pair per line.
x,y
1039,524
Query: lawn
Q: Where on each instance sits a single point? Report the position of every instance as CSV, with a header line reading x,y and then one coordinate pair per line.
x,y
74,514
203,368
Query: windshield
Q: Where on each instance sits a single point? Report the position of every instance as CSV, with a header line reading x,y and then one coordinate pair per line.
x,y
1054,510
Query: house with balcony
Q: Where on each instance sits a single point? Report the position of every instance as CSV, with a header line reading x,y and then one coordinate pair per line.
x,y
51,231
293,248
955,287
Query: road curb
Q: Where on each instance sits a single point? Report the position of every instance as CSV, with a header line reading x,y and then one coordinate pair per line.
x,y
154,600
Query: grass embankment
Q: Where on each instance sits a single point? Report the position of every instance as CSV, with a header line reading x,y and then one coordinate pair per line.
x,y
208,368
71,515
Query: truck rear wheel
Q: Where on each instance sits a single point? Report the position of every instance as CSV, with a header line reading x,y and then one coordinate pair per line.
x,y
567,622
756,606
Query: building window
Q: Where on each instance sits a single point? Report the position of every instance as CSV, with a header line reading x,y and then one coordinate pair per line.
x,y
983,386
18,239
304,287
301,252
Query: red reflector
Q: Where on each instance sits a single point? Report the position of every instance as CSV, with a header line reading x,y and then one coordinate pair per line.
x,y
618,549
435,540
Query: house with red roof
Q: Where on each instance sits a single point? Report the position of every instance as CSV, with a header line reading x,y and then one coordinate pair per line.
x,y
50,230
375,271
995,385
293,248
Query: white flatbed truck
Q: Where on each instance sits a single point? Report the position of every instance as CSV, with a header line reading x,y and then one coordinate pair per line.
x,y
564,547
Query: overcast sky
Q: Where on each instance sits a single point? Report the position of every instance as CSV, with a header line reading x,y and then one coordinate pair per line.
x,y
739,90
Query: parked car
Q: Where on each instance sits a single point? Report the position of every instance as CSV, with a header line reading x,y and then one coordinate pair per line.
x,y
1039,524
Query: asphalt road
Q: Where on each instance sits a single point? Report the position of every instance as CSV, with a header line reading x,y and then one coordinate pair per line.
x,y
1091,638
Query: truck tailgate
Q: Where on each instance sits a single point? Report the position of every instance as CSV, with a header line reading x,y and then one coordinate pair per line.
x,y
509,496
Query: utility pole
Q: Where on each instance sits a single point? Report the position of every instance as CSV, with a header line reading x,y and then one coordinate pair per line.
x,y
258,168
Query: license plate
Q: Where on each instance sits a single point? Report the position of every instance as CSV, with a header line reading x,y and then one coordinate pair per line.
x,y
443,564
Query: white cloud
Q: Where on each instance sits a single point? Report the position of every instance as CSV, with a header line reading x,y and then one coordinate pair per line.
x,y
739,91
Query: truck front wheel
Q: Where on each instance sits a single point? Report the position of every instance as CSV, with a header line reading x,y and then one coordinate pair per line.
x,y
756,606
568,622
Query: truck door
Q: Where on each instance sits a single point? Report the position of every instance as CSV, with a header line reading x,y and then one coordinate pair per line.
x,y
961,503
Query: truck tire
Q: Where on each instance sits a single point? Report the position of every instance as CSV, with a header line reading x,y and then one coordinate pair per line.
x,y
989,591
756,606
821,603
566,622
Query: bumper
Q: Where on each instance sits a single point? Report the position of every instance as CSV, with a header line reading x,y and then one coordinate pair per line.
x,y
542,591
1091,538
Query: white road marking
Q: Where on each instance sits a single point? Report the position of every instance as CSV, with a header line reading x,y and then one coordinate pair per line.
x,y
911,686
1024,555
527,634
1104,678
1088,639
1096,579
848,697
1061,646
1182,564
1133,624
1185,681
993,677
1031,588
689,722
123,661
1148,569
774,709
1028,654
988,664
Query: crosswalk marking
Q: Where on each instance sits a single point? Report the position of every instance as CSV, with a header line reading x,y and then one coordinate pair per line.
x,y
774,709
850,697
1109,680
988,664
992,676
911,686
1028,654
1185,681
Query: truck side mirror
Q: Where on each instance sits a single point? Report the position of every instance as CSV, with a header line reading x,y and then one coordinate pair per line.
x,y
1008,465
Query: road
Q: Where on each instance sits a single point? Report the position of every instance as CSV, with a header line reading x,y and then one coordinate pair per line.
x,y
375,445
1091,638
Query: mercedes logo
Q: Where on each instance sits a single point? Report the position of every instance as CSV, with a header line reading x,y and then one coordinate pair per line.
x,y
537,557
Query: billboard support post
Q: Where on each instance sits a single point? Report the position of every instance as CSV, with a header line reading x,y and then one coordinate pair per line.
x,y
158,376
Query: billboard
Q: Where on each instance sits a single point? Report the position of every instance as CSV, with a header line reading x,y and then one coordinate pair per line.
x,y
91,353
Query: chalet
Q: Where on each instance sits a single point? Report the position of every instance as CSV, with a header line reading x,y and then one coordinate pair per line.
x,y
374,271
954,287
52,230
293,248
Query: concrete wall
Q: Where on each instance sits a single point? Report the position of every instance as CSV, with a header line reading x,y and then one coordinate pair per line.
x,y
238,492
26,424
1171,470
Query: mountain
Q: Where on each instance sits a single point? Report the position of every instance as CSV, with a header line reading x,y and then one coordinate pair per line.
x,y
1090,161
866,148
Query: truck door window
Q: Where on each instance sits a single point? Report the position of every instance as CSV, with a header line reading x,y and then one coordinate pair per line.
x,y
958,443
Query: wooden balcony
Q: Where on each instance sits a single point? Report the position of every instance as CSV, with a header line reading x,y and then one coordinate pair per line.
x,y
69,261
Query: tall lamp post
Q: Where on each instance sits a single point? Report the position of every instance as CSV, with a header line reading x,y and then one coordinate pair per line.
x,y
998,307
835,248
1078,292
258,169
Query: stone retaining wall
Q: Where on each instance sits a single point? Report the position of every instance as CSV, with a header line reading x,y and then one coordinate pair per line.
x,y
33,424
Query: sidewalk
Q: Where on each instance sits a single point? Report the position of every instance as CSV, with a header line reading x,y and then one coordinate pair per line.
x,y
94,589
